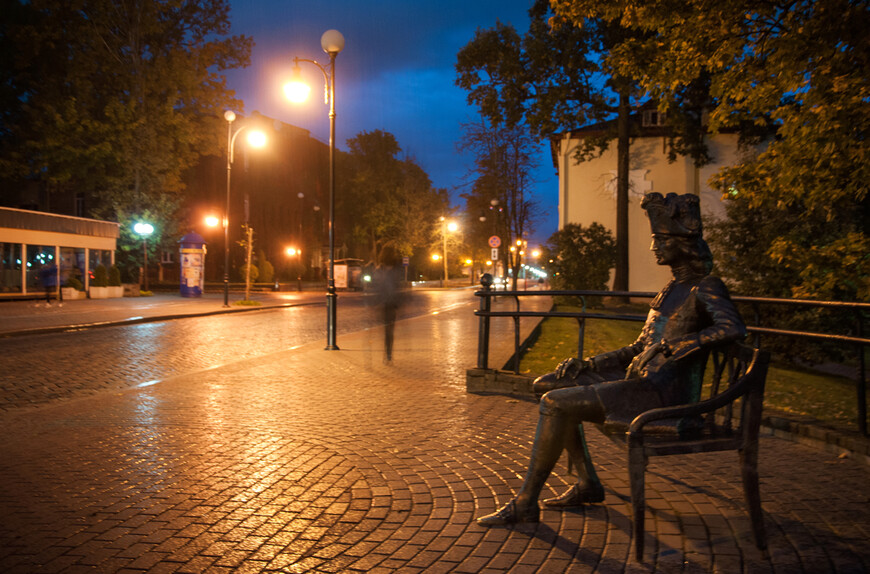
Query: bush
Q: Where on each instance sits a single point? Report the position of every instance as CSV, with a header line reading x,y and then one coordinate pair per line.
x,y
114,276
75,283
582,258
101,276
255,273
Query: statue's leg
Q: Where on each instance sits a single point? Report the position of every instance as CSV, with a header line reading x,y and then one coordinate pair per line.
x,y
588,488
547,448
561,410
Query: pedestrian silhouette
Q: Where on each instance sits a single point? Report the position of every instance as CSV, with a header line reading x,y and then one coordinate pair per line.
x,y
388,290
48,278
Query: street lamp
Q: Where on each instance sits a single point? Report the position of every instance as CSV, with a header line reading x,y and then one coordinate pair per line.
x,y
332,43
296,252
144,229
255,139
445,227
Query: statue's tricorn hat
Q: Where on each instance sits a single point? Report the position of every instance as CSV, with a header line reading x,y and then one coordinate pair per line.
x,y
673,214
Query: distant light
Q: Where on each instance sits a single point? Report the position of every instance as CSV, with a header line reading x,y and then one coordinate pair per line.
x,y
212,221
468,262
435,257
367,278
291,251
452,226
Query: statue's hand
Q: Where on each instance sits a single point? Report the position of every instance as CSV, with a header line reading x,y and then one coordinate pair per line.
x,y
572,367
681,348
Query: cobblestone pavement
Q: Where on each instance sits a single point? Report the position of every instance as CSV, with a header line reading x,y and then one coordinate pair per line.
x,y
305,460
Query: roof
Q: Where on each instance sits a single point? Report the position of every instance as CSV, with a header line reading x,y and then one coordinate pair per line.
x,y
40,221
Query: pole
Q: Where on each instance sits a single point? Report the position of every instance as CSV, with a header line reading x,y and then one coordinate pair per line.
x,y
331,296
227,217
444,248
145,263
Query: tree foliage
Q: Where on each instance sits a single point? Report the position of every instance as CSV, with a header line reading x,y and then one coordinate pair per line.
x,y
799,67
114,100
392,200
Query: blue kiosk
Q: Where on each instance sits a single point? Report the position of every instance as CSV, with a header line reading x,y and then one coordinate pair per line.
x,y
192,257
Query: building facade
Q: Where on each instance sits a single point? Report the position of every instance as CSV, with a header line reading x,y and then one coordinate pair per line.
x,y
30,241
587,190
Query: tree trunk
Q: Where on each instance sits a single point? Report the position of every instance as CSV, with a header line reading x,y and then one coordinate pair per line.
x,y
620,278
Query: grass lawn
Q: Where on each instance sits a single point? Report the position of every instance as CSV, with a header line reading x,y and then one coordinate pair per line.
x,y
789,389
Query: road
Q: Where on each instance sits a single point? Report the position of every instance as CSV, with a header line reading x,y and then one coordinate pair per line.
x,y
39,369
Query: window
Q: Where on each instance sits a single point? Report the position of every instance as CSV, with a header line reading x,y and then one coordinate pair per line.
x,y
166,257
652,118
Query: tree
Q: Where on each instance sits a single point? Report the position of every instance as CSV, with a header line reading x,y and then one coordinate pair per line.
x,y
556,78
798,67
392,200
502,166
115,100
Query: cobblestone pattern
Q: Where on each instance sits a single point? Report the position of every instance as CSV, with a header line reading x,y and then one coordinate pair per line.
x,y
313,461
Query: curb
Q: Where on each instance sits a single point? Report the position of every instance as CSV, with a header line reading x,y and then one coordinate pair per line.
x,y
152,319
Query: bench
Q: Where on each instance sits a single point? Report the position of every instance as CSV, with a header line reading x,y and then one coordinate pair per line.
x,y
727,417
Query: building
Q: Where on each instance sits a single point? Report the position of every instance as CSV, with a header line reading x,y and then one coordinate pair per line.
x,y
587,190
31,240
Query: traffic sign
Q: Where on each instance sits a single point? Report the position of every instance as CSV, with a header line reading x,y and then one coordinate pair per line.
x,y
494,254
494,241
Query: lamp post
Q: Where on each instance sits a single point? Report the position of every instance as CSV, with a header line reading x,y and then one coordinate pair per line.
x,y
144,229
445,227
256,139
332,43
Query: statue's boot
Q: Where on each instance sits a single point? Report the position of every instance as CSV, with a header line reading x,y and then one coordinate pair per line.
x,y
577,495
511,513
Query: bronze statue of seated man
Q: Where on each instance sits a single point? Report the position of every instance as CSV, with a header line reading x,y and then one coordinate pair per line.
x,y
663,367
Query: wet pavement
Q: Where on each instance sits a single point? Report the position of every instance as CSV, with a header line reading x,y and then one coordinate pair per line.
x,y
305,460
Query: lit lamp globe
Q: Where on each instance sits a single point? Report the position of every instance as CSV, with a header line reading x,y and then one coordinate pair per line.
x,y
257,139
144,229
332,42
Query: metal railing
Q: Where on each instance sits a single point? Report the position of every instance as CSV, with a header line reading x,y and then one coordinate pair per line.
x,y
486,313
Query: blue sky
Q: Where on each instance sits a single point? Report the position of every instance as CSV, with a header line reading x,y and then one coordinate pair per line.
x,y
396,73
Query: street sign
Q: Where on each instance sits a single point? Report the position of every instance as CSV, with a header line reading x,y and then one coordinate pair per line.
x,y
495,254
406,261
494,241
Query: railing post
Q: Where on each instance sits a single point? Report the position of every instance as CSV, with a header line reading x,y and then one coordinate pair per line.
x,y
862,378
483,326
517,338
581,329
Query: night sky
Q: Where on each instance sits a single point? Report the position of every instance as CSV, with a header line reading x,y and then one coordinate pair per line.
x,y
396,73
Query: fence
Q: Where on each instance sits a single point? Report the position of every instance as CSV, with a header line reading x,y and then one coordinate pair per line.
x,y
860,309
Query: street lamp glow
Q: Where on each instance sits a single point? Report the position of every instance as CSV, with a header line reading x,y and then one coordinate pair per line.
x,y
257,139
212,221
296,89
435,257
452,226
144,229
292,251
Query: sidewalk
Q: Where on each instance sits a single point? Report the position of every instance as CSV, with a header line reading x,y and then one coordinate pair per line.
x,y
308,460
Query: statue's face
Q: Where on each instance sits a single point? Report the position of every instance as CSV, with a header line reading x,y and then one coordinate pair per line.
x,y
666,249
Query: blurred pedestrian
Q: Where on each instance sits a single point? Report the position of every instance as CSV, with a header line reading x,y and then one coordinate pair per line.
x,y
48,278
388,290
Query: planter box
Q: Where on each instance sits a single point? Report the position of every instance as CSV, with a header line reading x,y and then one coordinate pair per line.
x,y
115,291
71,293
99,292
130,289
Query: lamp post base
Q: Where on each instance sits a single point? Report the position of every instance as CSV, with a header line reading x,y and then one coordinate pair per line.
x,y
331,304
